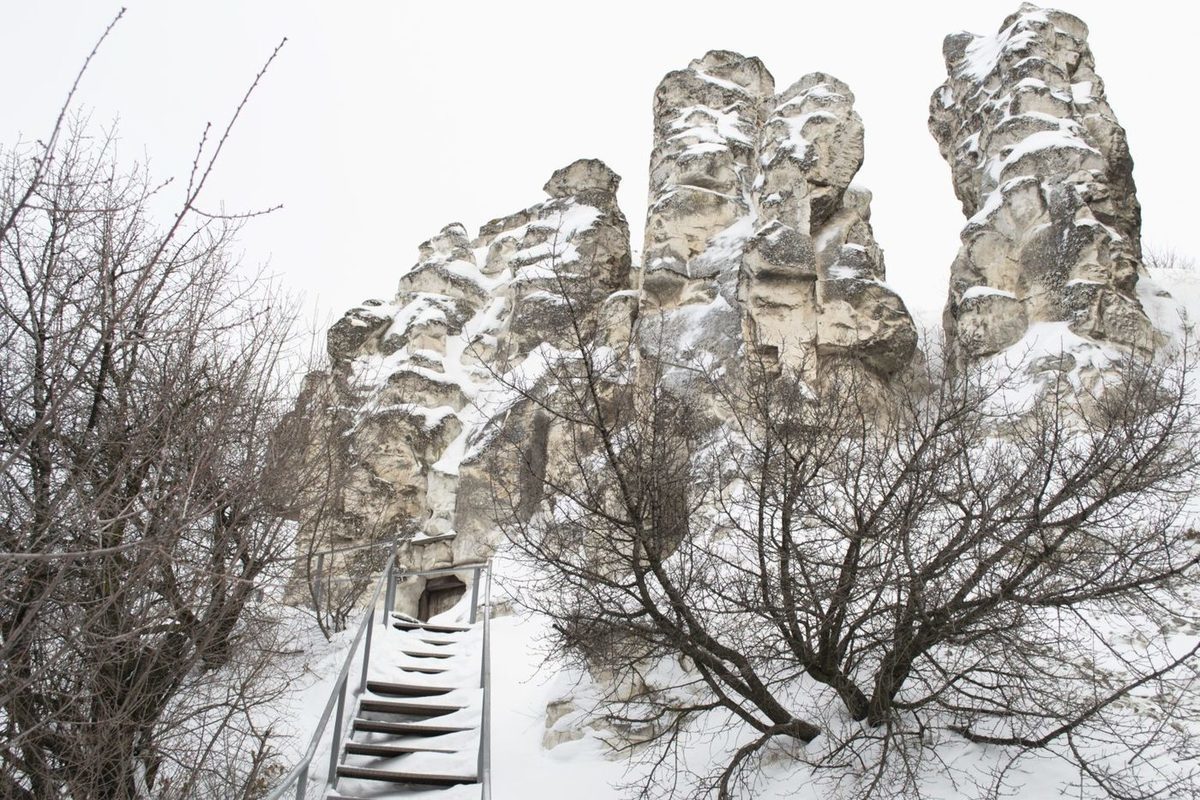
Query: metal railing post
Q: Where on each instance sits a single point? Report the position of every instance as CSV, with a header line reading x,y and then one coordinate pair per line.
x,y
474,594
302,782
362,684
483,658
483,770
335,747
389,604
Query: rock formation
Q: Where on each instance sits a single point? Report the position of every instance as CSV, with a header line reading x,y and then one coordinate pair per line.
x,y
754,232
755,241
1044,175
417,381
757,245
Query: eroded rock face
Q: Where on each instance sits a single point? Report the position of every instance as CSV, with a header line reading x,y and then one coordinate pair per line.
x,y
754,235
574,245
706,123
417,384
1044,175
756,244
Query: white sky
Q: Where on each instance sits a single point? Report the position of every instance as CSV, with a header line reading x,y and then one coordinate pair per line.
x,y
383,121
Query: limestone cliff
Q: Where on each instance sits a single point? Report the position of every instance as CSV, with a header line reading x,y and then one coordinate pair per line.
x,y
753,223
419,383
1043,171
758,245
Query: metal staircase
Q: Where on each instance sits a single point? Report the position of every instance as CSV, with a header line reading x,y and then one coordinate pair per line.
x,y
419,713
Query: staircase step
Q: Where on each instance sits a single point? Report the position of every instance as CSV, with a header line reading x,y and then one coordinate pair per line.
x,y
413,709
418,778
389,750
439,642
423,654
405,625
406,689
406,728
425,670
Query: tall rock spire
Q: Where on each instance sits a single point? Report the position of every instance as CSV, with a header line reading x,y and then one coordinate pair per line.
x,y
1044,175
753,219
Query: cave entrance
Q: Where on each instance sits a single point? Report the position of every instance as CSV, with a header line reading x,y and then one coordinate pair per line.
x,y
440,595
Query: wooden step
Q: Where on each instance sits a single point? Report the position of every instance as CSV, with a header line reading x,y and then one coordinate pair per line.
x,y
423,654
406,689
405,625
415,778
425,670
389,750
406,728
438,642
411,709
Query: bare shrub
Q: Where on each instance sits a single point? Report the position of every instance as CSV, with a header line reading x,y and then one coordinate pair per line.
x,y
854,577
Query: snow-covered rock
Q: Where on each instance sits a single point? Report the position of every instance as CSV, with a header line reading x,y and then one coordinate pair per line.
x,y
751,199
758,245
419,385
1043,171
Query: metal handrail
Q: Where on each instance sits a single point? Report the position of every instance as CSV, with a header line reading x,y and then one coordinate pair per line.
x,y
298,776
339,550
485,682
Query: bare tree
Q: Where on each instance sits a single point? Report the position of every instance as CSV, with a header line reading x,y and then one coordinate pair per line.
x,y
142,376
945,560
335,568
1169,259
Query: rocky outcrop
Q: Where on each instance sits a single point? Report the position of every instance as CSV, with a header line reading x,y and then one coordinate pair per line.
x,y
706,123
758,245
569,252
418,383
754,234
1043,171
756,242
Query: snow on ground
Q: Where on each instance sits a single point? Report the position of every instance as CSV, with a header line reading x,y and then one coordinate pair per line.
x,y
583,768
1167,293
521,766
314,665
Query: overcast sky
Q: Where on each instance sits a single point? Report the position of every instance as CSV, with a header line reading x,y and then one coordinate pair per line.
x,y
383,121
